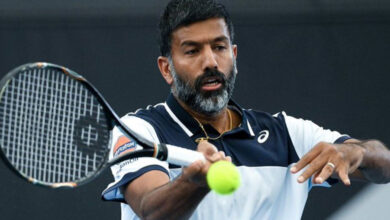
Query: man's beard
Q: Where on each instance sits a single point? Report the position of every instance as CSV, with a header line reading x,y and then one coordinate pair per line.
x,y
210,102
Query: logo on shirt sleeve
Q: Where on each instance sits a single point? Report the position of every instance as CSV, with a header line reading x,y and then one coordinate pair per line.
x,y
124,145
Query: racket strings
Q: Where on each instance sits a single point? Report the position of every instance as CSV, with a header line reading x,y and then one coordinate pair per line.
x,y
40,111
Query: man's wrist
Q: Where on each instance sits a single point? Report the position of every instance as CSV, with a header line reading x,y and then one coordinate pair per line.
x,y
359,149
183,181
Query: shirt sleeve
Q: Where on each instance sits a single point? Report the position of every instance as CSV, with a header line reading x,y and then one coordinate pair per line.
x,y
305,134
129,170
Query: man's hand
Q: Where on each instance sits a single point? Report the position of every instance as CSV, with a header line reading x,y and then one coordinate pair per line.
x,y
196,172
326,159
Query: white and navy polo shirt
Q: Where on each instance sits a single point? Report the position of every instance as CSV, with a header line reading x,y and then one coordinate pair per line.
x,y
263,148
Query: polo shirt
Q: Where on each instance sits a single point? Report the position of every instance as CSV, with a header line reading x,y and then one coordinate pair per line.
x,y
263,147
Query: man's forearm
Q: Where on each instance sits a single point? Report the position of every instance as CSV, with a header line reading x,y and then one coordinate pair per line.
x,y
175,200
153,196
375,165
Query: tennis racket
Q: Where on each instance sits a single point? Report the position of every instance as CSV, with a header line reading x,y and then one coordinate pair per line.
x,y
56,128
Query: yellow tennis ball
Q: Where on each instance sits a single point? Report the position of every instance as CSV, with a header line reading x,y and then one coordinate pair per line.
x,y
223,177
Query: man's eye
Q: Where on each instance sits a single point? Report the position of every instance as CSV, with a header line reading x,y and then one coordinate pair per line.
x,y
220,47
190,52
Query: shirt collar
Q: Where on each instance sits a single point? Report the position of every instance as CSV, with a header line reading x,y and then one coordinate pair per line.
x,y
191,126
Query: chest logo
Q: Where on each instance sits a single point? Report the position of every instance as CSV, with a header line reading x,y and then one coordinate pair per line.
x,y
263,136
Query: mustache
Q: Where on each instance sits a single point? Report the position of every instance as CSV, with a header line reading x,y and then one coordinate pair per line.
x,y
210,73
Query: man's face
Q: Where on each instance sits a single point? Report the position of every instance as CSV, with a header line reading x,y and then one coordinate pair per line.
x,y
203,65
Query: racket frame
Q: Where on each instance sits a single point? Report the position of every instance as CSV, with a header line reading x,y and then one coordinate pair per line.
x,y
164,152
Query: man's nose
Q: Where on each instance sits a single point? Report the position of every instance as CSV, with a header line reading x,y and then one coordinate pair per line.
x,y
209,59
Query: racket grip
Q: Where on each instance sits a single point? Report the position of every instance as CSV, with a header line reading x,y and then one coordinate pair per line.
x,y
181,156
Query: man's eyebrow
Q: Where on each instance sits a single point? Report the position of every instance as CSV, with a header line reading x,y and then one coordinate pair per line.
x,y
195,43
221,38
189,43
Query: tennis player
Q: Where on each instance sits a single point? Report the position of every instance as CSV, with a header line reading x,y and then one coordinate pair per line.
x,y
279,157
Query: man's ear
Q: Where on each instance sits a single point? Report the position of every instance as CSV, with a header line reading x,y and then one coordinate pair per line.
x,y
165,69
235,51
235,54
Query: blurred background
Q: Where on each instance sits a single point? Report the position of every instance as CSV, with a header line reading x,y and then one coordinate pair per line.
x,y
327,61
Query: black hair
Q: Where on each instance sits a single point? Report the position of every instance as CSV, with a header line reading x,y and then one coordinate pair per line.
x,y
179,13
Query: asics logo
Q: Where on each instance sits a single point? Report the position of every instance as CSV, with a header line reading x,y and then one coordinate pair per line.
x,y
263,136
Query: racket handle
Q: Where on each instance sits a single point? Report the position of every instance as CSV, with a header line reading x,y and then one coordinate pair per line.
x,y
181,156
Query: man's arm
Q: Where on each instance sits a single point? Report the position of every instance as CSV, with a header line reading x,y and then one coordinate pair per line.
x,y
369,160
375,166
153,196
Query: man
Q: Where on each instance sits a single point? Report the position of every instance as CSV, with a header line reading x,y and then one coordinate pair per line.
x,y
198,61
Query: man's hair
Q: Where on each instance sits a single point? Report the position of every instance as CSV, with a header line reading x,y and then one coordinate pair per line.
x,y
179,13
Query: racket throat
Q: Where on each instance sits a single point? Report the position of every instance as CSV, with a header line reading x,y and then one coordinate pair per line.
x,y
160,152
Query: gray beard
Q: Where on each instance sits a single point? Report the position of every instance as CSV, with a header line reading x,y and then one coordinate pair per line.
x,y
205,104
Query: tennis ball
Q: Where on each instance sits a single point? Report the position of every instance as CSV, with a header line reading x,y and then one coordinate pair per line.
x,y
223,177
